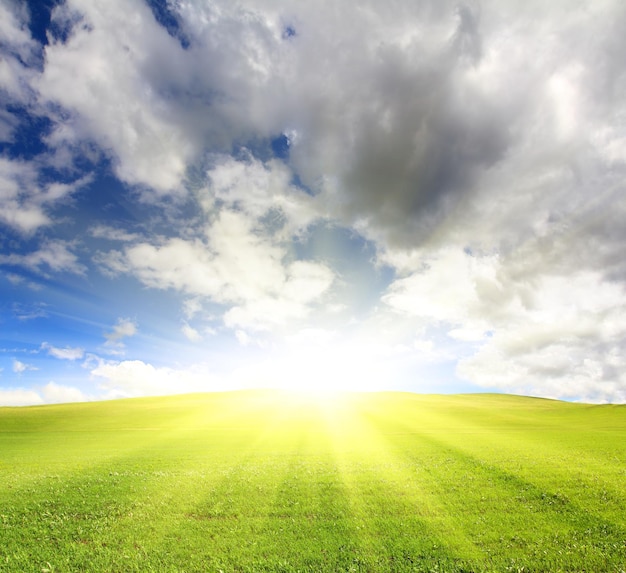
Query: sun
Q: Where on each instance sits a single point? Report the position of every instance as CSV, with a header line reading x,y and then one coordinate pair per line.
x,y
323,372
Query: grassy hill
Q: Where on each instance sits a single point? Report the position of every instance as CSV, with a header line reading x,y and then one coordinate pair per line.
x,y
266,481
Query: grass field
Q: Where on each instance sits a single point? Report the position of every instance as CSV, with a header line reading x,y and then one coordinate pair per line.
x,y
261,481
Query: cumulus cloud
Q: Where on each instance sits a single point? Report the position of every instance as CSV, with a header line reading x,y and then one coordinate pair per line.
x,y
136,378
19,397
53,393
550,332
25,202
260,190
124,328
235,265
566,342
113,75
302,286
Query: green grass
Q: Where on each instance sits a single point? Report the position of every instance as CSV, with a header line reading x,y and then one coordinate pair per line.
x,y
256,481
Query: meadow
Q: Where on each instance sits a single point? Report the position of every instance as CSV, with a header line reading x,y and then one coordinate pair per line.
x,y
271,482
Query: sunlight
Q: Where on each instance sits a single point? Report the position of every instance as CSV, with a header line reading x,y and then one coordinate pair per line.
x,y
323,371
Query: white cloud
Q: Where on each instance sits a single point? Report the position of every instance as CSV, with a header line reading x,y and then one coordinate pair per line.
x,y
190,333
113,74
536,332
260,188
124,328
18,52
19,207
54,393
451,286
8,122
585,370
243,337
466,334
304,284
63,353
14,21
19,367
237,265
113,234
24,203
53,255
19,397
136,378
51,393
192,307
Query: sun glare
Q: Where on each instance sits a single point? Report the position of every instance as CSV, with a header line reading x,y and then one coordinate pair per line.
x,y
324,372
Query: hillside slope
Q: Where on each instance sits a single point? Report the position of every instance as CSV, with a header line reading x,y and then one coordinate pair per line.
x,y
268,481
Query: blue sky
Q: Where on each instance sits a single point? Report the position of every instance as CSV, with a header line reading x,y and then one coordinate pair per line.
x,y
423,196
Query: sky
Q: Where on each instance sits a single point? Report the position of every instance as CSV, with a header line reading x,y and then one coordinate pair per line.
x,y
208,195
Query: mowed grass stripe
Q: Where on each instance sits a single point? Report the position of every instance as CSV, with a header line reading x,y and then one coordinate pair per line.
x,y
258,481
527,503
396,513
277,495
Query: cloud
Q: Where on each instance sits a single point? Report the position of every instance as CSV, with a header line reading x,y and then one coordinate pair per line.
x,y
54,255
190,333
451,286
304,284
63,353
192,307
419,104
19,54
124,328
113,234
24,202
136,378
259,189
432,131
14,24
19,207
8,122
19,397
20,367
585,370
552,332
29,312
480,149
243,337
112,74
236,265
51,393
